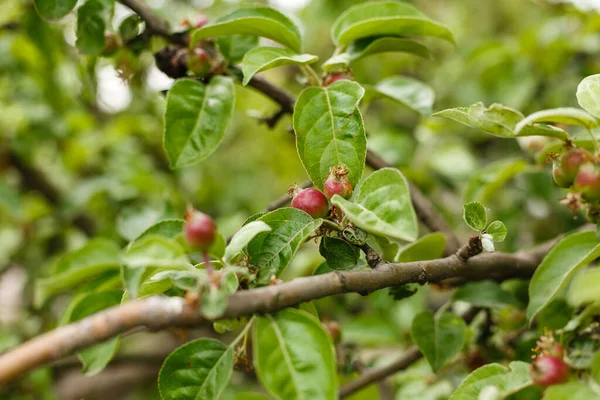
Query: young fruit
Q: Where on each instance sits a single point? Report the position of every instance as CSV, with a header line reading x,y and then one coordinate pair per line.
x,y
566,168
587,182
337,183
337,76
549,370
312,201
200,229
199,62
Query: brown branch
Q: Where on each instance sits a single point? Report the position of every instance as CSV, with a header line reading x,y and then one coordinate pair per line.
x,y
154,23
160,312
373,375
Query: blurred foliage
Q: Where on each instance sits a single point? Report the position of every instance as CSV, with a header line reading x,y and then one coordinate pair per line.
x,y
81,137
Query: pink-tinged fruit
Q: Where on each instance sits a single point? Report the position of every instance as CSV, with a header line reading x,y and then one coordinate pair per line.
x,y
200,229
337,183
549,370
337,76
567,167
587,182
312,201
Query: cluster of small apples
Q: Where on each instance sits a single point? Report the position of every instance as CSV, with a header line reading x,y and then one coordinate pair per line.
x,y
579,170
316,203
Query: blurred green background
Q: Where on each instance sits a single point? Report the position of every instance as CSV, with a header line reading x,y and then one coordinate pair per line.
x,y
81,141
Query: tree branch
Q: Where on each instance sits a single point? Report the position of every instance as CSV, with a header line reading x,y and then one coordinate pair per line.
x,y
154,23
373,375
160,312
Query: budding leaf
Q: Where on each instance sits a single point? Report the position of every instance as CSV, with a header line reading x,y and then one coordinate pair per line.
x,y
497,230
475,215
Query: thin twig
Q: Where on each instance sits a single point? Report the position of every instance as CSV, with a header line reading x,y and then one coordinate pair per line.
x,y
373,375
159,312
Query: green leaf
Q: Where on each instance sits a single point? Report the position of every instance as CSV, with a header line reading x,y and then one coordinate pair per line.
x,y
234,47
570,391
485,294
54,9
196,118
557,268
200,369
243,237
134,220
381,205
339,254
92,260
409,92
330,130
96,357
507,380
499,120
584,288
429,247
369,46
497,230
587,94
565,115
256,21
385,18
214,303
168,228
264,58
92,18
151,251
475,215
496,119
273,250
294,356
440,337
458,114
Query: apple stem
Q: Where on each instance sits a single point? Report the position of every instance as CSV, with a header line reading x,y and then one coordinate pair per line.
x,y
207,264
